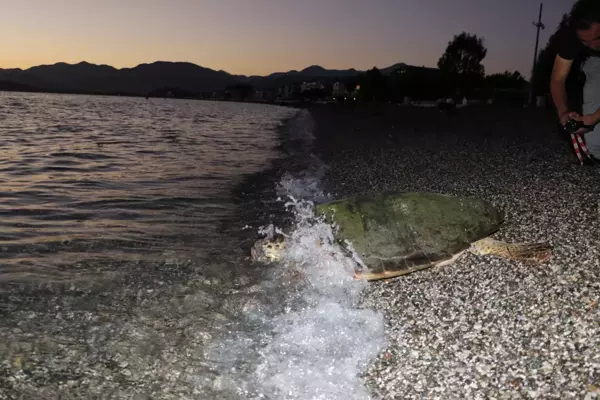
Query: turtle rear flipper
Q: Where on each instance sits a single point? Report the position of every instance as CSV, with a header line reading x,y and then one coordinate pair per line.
x,y
529,253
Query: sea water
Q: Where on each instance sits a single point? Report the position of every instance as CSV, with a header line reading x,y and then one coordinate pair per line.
x,y
126,226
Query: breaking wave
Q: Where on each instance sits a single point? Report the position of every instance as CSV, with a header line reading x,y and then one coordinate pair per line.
x,y
305,335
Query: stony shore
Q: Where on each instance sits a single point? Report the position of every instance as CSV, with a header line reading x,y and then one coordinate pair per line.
x,y
484,327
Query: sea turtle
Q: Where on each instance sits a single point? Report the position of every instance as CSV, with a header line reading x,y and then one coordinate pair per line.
x,y
396,233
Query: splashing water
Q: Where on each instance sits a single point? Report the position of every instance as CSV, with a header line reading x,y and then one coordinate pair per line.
x,y
306,337
306,183
307,171
319,349
318,341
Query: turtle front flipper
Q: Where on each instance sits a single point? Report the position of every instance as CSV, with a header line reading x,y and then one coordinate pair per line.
x,y
387,274
528,253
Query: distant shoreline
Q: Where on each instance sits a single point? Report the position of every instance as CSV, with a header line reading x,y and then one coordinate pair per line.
x,y
136,95
430,104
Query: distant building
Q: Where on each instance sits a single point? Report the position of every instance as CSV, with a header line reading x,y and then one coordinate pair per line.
x,y
285,91
288,91
259,95
355,92
265,95
306,86
339,90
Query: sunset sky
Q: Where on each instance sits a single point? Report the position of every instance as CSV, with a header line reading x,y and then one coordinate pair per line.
x,y
264,36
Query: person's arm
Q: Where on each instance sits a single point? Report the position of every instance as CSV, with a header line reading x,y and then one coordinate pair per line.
x,y
590,119
558,89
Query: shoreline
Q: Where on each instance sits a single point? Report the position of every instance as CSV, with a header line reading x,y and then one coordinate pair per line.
x,y
484,327
141,332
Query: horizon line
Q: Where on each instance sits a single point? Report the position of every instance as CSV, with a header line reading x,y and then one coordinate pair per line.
x,y
199,65
221,70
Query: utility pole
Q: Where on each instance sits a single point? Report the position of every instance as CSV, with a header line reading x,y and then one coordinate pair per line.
x,y
538,25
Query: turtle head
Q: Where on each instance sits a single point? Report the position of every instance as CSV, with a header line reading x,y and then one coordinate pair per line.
x,y
268,251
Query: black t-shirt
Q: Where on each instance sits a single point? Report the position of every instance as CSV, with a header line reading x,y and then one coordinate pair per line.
x,y
569,45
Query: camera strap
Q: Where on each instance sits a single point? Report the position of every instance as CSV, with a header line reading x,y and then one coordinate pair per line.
x,y
579,146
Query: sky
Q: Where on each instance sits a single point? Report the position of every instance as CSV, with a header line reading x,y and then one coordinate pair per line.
x,y
259,37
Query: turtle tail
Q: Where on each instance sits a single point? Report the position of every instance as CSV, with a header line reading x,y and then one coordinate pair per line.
x,y
529,253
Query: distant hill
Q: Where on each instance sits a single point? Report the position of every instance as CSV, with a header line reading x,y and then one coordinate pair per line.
x,y
90,78
310,73
147,78
16,87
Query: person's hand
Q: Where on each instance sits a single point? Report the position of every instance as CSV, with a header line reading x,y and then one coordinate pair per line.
x,y
585,119
590,119
564,117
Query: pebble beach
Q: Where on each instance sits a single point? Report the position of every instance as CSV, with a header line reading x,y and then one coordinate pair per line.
x,y
484,327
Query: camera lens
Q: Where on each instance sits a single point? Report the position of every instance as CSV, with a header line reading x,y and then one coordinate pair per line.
x,y
571,126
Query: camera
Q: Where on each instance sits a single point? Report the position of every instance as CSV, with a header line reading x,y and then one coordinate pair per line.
x,y
571,126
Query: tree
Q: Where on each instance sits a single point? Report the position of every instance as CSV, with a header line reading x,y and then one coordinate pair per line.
x,y
507,88
373,86
460,64
315,94
240,90
418,83
506,80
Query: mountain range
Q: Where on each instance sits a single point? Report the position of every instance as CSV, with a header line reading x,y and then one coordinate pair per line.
x,y
85,77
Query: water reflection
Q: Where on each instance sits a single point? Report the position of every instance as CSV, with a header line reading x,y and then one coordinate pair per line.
x,y
116,178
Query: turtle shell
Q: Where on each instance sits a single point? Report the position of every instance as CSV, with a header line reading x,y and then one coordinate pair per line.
x,y
391,231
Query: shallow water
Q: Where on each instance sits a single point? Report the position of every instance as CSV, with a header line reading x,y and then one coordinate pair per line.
x,y
162,199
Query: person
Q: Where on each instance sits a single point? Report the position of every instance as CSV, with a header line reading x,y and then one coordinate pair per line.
x,y
580,41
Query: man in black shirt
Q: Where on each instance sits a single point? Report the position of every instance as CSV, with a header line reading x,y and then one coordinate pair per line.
x,y
581,40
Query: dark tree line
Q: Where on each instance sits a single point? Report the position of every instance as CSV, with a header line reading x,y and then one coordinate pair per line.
x,y
460,73
461,64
